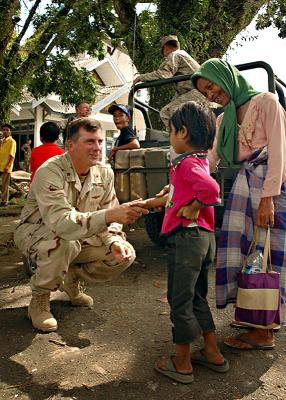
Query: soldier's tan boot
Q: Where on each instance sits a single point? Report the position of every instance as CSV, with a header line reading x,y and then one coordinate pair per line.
x,y
40,314
73,289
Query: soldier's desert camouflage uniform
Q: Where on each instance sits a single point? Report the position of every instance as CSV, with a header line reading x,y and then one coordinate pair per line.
x,y
63,223
178,62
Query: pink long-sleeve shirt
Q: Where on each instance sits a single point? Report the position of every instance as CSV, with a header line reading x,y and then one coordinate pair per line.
x,y
189,180
267,118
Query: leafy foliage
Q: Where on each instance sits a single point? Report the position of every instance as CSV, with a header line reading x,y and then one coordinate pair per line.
x,y
205,29
59,75
70,27
274,14
63,28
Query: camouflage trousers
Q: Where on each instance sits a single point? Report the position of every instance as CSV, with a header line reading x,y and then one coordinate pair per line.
x,y
27,164
54,256
168,110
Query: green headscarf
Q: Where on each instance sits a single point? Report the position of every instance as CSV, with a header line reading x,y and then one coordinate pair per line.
x,y
239,90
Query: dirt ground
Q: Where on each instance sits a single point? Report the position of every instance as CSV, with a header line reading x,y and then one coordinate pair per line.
x,y
108,353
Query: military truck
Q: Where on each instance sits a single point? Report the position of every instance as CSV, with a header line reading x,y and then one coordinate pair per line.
x,y
144,172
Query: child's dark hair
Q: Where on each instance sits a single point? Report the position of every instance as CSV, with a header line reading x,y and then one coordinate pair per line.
x,y
49,132
200,123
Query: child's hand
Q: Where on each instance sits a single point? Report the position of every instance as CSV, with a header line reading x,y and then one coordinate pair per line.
x,y
190,212
143,203
154,202
111,154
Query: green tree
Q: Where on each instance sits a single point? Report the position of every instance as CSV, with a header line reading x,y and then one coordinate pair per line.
x,y
67,27
43,62
205,29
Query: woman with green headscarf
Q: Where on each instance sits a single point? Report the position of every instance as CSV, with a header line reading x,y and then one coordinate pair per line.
x,y
251,135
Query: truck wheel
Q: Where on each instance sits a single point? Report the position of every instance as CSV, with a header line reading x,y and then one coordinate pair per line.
x,y
29,266
153,224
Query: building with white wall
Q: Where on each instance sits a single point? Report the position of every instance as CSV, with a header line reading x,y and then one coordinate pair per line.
x,y
115,76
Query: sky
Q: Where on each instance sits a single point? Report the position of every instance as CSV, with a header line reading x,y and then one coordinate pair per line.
x,y
267,47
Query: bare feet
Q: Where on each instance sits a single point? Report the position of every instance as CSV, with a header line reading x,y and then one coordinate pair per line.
x,y
255,339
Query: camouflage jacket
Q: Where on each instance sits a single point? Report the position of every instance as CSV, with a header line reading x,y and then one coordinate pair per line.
x,y
73,211
179,62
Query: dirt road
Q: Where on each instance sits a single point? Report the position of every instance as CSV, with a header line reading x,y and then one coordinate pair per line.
x,y
108,353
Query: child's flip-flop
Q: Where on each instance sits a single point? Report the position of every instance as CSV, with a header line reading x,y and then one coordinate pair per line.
x,y
199,359
172,373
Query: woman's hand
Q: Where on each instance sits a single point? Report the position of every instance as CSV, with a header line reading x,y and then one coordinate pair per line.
x,y
265,213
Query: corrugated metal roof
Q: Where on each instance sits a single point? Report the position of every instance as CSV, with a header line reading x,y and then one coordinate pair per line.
x,y
58,107
105,91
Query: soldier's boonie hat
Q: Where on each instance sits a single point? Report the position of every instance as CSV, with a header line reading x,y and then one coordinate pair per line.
x,y
167,38
121,107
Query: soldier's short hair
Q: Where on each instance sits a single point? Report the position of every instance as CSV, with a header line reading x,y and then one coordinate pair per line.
x,y
89,124
81,102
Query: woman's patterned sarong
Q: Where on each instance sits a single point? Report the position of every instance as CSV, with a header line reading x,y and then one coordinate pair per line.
x,y
238,226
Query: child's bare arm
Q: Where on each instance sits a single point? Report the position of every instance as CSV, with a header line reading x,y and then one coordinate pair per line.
x,y
191,211
155,202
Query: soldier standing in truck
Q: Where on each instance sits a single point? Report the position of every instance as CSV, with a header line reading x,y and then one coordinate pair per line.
x,y
176,62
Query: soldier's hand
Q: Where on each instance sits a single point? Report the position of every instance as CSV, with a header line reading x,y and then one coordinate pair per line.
x,y
126,213
121,252
136,80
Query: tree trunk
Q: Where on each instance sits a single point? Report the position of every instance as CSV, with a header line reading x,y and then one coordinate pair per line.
x,y
205,29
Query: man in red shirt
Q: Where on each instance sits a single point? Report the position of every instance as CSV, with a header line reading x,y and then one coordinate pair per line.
x,y
49,134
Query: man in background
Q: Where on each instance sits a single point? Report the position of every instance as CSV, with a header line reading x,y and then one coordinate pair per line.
x,y
82,109
26,148
49,134
127,139
7,157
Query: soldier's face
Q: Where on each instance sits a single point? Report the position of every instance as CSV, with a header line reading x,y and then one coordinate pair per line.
x,y
212,91
87,149
83,110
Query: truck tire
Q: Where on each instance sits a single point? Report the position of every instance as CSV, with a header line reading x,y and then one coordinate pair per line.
x,y
29,266
153,224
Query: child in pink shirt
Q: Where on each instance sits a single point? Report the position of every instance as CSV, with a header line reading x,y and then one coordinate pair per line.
x,y
188,225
